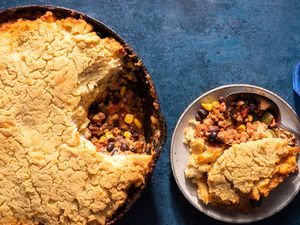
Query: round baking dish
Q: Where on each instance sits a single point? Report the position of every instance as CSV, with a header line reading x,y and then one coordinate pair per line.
x,y
278,198
155,136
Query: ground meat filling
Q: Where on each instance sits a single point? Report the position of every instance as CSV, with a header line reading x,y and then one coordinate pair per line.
x,y
240,121
116,125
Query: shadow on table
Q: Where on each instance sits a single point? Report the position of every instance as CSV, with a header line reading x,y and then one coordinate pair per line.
x,y
189,215
143,211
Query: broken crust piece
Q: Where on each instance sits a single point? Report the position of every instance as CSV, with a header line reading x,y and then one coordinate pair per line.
x,y
50,72
250,170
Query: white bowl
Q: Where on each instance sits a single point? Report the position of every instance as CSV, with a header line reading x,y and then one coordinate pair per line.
x,y
278,198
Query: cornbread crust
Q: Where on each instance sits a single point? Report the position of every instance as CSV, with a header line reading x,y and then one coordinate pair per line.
x,y
50,72
250,170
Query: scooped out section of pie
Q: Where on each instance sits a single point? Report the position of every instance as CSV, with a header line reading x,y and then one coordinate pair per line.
x,y
116,125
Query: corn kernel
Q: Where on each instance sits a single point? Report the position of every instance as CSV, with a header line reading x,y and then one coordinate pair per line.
x,y
137,123
109,135
241,128
207,106
128,118
102,138
215,104
122,91
153,120
250,118
127,134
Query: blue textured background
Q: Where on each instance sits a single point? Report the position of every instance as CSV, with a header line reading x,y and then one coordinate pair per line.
x,y
190,47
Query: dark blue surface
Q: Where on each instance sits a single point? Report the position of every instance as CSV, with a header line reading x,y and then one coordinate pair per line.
x,y
190,47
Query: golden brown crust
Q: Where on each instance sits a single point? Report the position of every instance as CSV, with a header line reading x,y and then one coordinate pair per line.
x,y
250,170
50,72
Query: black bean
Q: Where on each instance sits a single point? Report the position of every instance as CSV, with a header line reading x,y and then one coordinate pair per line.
x,y
116,123
221,99
110,146
203,113
213,136
111,139
124,147
135,134
198,118
252,107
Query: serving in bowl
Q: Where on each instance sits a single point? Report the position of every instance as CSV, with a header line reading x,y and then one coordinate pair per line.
x,y
276,199
80,121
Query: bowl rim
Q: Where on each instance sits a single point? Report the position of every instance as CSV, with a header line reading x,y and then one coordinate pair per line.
x,y
101,28
173,140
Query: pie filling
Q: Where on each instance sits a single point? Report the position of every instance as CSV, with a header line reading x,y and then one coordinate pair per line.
x,y
117,120
221,125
